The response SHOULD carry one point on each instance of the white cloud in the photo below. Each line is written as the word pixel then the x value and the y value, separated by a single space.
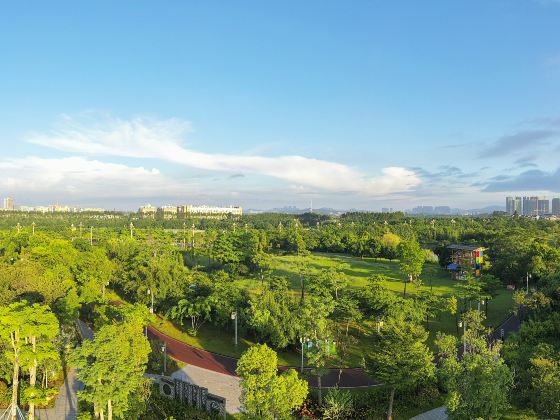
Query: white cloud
pixel 163 139
pixel 78 177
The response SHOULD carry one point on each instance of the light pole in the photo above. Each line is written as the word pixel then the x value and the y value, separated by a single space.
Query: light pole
pixel 302 340
pixel 479 302
pixel 184 236
pixel 152 295
pixel 464 325
pixel 164 350
pixel 234 317
pixel 192 239
pixel 33 227
pixel 131 227
pixel 528 277
pixel 379 323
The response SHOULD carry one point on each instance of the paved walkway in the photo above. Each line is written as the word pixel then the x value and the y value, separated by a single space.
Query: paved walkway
pixel 223 385
pixel 66 404
pixel 435 414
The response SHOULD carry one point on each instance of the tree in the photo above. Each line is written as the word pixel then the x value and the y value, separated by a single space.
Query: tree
pixel 545 374
pixel 399 357
pixel 411 261
pixel 478 384
pixel 29 330
pixel 43 329
pixel 197 308
pixel 112 365
pixel 265 394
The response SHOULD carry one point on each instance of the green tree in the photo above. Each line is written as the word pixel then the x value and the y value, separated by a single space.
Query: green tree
pixel 264 393
pixel 399 357
pixel 545 381
pixel 478 384
pixel 112 366
pixel 411 261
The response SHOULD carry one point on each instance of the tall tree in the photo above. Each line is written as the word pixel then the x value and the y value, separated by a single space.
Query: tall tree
pixel 112 366
pixel 264 393
pixel 411 261
pixel 399 357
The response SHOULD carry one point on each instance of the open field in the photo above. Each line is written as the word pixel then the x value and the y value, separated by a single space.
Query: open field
pixel 220 340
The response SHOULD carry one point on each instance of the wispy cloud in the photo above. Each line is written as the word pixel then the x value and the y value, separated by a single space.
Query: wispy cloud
pixel 163 139
pixel 519 141
pixel 532 180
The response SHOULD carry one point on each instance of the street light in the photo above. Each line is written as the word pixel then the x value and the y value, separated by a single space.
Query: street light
pixel 152 295
pixel 33 227
pixel 164 350
pixel 131 227
pixel 529 276
pixel 379 323
pixel 464 325
pixel 234 317
pixel 303 340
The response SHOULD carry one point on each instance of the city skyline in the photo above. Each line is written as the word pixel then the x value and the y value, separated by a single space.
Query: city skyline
pixel 263 105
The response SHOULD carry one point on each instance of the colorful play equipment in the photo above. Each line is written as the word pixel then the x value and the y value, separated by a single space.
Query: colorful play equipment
pixel 466 259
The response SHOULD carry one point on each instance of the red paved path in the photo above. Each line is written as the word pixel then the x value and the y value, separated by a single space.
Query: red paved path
pixel 349 378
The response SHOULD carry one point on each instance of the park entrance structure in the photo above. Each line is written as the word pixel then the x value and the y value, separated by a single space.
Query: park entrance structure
pixel 465 260
pixel 12 412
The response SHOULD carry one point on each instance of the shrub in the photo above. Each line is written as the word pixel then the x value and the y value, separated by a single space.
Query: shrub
pixel 337 405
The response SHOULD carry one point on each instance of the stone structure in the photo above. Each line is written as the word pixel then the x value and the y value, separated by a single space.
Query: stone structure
pixel 192 395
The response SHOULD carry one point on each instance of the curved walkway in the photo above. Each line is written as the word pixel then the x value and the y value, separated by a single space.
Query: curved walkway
pixel 343 378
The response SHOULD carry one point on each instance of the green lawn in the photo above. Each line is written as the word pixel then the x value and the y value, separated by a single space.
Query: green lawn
pixel 220 340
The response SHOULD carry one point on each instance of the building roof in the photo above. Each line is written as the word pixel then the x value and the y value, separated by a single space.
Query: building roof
pixel 464 247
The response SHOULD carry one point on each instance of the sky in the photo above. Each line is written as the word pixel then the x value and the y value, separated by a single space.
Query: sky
pixel 350 104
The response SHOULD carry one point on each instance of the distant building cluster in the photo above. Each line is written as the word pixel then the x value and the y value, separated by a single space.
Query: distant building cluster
pixel 190 211
pixel 533 206
pixel 431 210
pixel 52 208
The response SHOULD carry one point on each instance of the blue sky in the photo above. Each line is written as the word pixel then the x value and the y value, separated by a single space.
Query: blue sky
pixel 362 104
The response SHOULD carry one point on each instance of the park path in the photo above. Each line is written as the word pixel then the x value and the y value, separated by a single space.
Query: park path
pixel 226 365
pixel 436 414
pixel 66 404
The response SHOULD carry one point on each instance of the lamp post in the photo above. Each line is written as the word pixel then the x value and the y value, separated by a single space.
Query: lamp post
pixel 379 323
pixel 164 350
pixel 131 226
pixel 528 277
pixel 33 227
pixel 184 236
pixel 192 239
pixel 152 295
pixel 303 340
pixel 464 325
pixel 234 317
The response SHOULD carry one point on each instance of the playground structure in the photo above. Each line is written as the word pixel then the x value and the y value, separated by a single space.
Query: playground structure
pixel 465 259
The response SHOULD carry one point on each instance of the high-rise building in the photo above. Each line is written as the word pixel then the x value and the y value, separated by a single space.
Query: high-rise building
pixel 543 206
pixel 509 205
pixel 517 207
pixel 556 206
pixel 530 206
pixel 8 203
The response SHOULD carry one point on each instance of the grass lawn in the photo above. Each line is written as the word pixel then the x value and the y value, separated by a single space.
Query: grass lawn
pixel 220 340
